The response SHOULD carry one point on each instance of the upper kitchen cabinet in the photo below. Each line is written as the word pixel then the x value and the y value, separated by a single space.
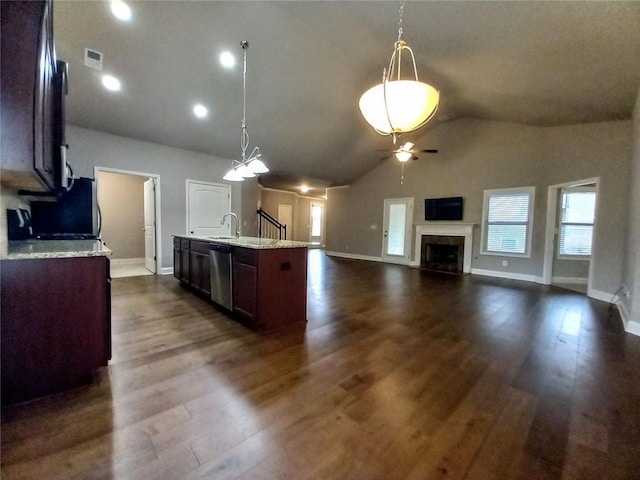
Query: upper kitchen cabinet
pixel 33 86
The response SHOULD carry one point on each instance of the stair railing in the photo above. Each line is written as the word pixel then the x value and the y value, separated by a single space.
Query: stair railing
pixel 269 227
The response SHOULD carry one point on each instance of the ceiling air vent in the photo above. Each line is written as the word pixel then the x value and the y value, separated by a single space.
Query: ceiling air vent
pixel 93 59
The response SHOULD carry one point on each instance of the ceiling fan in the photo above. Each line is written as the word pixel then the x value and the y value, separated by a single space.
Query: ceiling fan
pixel 406 152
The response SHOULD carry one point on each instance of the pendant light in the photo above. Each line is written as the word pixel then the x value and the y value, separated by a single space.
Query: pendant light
pixel 397 105
pixel 250 166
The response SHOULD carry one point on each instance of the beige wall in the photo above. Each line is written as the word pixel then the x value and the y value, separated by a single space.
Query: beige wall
pixel 476 155
pixel 89 148
pixel 631 304
pixel 121 200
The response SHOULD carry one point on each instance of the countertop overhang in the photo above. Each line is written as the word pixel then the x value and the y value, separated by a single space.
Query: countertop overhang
pixel 249 242
pixel 31 249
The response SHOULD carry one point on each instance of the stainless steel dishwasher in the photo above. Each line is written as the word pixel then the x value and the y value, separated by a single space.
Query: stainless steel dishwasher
pixel 221 276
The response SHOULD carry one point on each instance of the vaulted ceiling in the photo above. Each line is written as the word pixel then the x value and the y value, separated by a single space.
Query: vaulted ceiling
pixel 538 63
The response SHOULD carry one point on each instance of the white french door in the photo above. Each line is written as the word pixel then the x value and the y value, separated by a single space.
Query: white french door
pixel 206 204
pixel 396 232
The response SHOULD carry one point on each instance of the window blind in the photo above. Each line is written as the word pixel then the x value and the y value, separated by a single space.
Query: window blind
pixel 507 222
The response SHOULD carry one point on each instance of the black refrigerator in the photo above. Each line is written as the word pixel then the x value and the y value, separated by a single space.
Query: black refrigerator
pixel 75 215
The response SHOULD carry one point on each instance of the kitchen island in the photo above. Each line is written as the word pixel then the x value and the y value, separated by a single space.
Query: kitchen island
pixel 266 279
pixel 55 322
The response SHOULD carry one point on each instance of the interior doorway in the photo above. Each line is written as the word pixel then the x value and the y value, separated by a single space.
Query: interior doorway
pixel 128 202
pixel 397 226
pixel 569 238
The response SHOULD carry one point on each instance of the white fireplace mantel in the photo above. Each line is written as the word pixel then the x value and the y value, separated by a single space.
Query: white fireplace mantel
pixel 446 228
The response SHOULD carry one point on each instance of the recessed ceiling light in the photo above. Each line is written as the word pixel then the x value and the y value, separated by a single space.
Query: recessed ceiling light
pixel 121 10
pixel 200 111
pixel 111 83
pixel 227 60
pixel 304 189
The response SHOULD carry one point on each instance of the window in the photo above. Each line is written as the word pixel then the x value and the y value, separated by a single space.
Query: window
pixel 577 213
pixel 507 221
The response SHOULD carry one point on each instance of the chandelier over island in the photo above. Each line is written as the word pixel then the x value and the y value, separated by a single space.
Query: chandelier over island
pixel 397 105
pixel 247 166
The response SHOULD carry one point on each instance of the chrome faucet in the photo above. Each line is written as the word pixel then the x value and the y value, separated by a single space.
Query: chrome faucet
pixel 237 224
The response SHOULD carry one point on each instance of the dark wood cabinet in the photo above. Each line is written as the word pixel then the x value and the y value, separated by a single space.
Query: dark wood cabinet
pixel 245 285
pixel 55 324
pixel 191 264
pixel 33 85
pixel 270 287
pixel 181 259
pixel 200 266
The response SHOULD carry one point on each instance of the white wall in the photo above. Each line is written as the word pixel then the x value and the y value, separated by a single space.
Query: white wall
pixel 631 304
pixel 475 155
pixel 89 148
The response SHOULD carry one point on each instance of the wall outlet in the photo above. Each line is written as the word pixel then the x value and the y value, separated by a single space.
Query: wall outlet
pixel 505 263
pixel 374 227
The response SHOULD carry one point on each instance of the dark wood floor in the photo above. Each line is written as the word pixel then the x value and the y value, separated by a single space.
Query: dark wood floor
pixel 398 374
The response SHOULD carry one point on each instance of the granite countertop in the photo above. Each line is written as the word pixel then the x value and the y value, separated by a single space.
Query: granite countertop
pixel 28 249
pixel 250 242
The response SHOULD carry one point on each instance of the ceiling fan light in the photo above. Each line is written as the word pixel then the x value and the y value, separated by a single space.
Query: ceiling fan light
pixel 407 146
pixel 257 166
pixel 409 105
pixel 233 176
pixel 404 156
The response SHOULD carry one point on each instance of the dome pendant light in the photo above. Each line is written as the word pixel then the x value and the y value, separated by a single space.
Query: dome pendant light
pixel 251 166
pixel 397 105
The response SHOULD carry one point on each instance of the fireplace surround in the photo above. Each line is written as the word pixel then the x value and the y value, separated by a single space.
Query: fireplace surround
pixel 442 253
pixel 446 229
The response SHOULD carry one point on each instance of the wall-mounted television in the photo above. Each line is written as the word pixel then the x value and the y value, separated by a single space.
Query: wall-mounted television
pixel 449 208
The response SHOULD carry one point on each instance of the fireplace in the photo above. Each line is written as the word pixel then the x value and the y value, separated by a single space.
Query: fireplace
pixel 451 246
pixel 442 253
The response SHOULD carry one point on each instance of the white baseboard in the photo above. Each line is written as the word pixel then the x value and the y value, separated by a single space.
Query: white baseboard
pixel 166 271
pixel 508 275
pixel 354 256
pixel 126 261
pixel 630 326
pixel 600 295
pixel 570 280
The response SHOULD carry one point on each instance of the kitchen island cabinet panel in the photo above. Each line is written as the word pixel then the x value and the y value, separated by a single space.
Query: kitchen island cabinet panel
pixel 272 294
pixel 245 286
pixel 282 289
pixel 55 324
